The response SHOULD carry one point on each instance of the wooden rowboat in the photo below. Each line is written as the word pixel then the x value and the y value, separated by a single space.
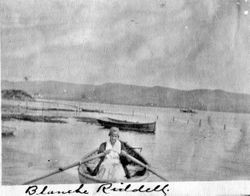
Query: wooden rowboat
pixel 187 110
pixel 147 127
pixel 137 172
pixel 8 131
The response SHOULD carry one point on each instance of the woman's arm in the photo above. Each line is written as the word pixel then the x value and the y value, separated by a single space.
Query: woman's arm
pixel 102 148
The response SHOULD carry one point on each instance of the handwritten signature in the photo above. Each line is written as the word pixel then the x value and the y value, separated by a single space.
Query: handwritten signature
pixel 109 187
pixel 32 190
pixel 106 188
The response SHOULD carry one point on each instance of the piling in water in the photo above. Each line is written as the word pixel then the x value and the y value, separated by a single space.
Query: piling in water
pixel 209 120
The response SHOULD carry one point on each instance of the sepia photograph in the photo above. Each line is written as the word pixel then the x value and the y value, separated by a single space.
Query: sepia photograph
pixel 109 91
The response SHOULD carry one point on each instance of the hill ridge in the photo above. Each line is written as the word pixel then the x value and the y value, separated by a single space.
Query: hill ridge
pixel 127 94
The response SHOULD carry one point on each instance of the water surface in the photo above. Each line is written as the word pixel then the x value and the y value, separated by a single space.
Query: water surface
pixel 185 146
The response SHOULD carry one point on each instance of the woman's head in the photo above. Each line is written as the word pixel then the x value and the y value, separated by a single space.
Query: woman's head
pixel 114 135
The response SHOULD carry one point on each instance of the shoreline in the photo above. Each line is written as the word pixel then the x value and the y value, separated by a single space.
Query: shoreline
pixel 47 100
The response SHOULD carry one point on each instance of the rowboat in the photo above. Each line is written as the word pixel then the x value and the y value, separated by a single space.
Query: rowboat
pixel 146 127
pixel 188 111
pixel 7 131
pixel 137 172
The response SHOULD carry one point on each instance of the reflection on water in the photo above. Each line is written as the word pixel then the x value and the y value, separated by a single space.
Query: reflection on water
pixel 185 146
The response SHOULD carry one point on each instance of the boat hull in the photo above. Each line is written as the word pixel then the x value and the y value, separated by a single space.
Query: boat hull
pixel 188 111
pixel 88 179
pixel 8 131
pixel 128 126
pixel 7 134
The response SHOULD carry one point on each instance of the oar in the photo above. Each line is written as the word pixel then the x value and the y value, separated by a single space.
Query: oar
pixel 91 152
pixel 143 165
pixel 65 168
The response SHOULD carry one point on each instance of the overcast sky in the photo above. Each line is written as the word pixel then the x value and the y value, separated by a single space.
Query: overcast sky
pixel 185 44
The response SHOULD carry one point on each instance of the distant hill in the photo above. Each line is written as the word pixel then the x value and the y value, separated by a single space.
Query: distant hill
pixel 13 94
pixel 113 93
pixel 49 89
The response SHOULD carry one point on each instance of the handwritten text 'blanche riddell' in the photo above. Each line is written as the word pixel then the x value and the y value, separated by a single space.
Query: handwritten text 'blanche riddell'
pixel 106 188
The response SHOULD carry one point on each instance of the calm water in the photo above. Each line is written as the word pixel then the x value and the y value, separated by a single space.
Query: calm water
pixel 185 146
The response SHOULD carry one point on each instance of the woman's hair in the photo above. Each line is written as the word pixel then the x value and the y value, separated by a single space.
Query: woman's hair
pixel 114 131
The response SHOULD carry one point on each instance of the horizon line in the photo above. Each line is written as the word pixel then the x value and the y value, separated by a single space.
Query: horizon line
pixel 16 81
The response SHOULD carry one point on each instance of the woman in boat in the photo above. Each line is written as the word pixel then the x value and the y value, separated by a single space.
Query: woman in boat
pixel 113 165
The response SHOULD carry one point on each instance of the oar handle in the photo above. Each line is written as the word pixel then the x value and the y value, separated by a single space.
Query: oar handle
pixel 65 168
pixel 142 164
pixel 93 157
pixel 88 154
